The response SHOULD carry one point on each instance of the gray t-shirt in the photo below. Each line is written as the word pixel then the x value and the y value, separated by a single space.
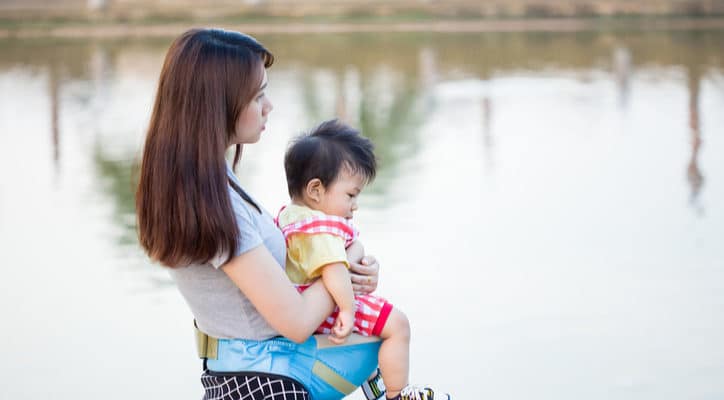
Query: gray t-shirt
pixel 220 308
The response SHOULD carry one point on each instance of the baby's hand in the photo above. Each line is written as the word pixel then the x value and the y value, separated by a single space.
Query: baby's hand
pixel 342 327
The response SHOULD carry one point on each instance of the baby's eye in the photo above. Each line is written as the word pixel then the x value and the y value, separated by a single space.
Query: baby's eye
pixel 260 96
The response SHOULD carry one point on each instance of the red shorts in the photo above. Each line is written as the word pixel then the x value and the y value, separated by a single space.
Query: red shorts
pixel 370 315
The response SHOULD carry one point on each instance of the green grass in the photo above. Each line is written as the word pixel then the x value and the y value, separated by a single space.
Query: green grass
pixel 352 17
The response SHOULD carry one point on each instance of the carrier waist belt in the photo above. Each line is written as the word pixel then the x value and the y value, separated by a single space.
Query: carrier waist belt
pixel 326 370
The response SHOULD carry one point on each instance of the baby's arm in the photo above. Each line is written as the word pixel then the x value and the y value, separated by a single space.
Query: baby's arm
pixel 355 252
pixel 337 281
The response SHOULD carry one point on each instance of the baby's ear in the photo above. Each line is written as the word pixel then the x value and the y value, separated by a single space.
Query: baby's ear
pixel 314 190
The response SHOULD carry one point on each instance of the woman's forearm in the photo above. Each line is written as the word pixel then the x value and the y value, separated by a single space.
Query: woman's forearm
pixel 295 316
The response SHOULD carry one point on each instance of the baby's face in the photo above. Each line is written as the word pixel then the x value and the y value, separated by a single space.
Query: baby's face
pixel 340 197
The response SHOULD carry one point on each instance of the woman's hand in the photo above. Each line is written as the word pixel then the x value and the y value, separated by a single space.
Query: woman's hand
pixel 365 275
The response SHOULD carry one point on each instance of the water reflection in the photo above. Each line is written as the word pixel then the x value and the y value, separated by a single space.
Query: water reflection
pixel 622 72
pixel 376 87
pixel 384 85
pixel 593 136
pixel 693 174
pixel 54 106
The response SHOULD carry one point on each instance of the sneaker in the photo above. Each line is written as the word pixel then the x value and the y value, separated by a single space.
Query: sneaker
pixel 374 389
pixel 417 393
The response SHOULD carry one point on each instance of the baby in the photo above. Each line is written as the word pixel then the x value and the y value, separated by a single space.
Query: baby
pixel 327 170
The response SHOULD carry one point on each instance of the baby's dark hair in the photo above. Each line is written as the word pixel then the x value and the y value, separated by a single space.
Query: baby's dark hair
pixel 323 153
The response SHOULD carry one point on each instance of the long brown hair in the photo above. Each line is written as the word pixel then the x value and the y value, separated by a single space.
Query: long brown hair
pixel 183 207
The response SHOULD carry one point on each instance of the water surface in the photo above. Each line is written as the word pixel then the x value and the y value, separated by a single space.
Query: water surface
pixel 548 211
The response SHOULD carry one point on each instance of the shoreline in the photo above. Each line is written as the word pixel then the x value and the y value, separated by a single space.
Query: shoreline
pixel 129 30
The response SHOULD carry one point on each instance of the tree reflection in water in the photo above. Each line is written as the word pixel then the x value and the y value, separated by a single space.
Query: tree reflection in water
pixel 381 83
pixel 376 89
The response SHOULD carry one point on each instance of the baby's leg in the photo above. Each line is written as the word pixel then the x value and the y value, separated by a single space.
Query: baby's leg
pixel 394 355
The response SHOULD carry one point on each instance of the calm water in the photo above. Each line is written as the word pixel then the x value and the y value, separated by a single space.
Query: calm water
pixel 549 213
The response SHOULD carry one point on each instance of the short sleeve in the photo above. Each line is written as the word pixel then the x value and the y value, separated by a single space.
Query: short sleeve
pixel 249 232
pixel 313 251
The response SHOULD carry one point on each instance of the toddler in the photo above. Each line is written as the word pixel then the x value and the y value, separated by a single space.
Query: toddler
pixel 327 170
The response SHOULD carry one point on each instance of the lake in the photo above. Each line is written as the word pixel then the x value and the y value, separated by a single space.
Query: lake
pixel 546 212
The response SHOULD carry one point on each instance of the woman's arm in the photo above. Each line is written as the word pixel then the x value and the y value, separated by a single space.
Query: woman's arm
pixel 264 282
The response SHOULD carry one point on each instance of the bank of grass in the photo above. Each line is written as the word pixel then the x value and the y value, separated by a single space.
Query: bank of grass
pixel 231 18
pixel 170 23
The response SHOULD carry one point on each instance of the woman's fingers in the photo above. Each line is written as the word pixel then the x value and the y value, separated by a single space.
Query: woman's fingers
pixel 358 289
pixel 365 275
pixel 363 279
pixel 364 288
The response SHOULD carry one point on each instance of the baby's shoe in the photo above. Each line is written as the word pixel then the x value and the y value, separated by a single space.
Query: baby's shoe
pixel 374 389
pixel 421 393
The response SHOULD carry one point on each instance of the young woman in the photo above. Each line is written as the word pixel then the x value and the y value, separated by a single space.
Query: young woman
pixel 223 249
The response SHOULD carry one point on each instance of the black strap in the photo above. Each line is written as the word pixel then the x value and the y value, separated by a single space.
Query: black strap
pixel 243 195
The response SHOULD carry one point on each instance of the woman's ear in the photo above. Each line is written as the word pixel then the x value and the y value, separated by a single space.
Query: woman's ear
pixel 314 190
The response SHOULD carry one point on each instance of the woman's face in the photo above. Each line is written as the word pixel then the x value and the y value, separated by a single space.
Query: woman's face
pixel 252 120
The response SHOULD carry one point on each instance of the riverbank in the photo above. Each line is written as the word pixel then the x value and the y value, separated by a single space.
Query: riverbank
pixel 77 29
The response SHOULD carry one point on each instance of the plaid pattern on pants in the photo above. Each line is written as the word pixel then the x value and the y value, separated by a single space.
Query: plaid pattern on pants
pixel 251 386
pixel 370 315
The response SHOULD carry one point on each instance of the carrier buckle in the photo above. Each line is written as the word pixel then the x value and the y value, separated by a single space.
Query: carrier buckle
pixel 206 346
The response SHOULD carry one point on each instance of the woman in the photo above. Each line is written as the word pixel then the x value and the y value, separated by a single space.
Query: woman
pixel 223 249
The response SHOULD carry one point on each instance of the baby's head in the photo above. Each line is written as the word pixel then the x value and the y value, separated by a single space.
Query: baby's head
pixel 328 168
